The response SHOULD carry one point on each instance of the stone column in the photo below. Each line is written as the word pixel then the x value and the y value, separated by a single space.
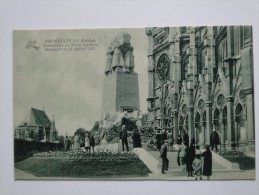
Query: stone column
pixel 175 123
pixel 250 121
pixel 191 126
pixel 221 131
pixel 208 121
pixel 231 134
pixel 248 85
pixel 151 72
pixel 202 141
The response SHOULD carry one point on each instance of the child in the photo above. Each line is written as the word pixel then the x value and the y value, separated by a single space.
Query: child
pixel 197 166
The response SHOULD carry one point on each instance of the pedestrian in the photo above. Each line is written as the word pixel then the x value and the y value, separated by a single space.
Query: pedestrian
pixel 170 140
pixel 67 143
pixel 124 138
pixel 182 155
pixel 197 166
pixel 163 136
pixel 136 139
pixel 207 162
pixel 163 155
pixel 178 142
pixel 71 142
pixel 190 154
pixel 92 142
pixel 76 144
pixel 158 140
pixel 87 142
pixel 214 140
pixel 186 138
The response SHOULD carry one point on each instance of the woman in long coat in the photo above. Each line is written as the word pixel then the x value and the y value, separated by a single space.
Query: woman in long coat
pixel 182 153
pixel 136 139
pixel 207 162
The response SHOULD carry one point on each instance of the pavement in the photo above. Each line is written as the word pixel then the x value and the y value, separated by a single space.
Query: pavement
pixel 218 172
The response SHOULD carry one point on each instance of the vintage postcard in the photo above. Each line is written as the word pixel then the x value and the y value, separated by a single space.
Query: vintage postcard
pixel 155 103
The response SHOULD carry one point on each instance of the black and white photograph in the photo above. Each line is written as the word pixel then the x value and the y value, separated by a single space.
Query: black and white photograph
pixel 129 97
pixel 160 103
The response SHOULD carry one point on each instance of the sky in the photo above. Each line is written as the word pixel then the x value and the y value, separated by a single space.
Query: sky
pixel 68 84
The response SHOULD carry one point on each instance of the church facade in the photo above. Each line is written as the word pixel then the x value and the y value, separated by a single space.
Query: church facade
pixel 36 126
pixel 200 79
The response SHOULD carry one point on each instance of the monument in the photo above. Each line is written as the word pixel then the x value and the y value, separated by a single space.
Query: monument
pixel 120 88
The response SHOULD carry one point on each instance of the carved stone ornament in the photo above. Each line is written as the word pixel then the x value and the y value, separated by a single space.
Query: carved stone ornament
pixel 184 109
pixel 221 100
pixel 242 95
pixel 201 104
pixel 163 67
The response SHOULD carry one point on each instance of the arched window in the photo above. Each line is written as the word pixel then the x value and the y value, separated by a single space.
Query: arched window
pixel 204 119
pixel 222 52
pixel 197 119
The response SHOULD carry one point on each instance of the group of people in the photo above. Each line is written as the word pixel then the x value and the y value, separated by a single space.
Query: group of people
pixel 189 158
pixel 88 144
pixel 161 137
pixel 136 138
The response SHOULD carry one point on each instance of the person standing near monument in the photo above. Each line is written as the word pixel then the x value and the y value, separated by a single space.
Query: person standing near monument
pixel 163 155
pixel 182 152
pixel 92 142
pixel 197 166
pixel 163 136
pixel 158 140
pixel 207 162
pixel 136 139
pixel 179 142
pixel 185 138
pixel 214 140
pixel 170 140
pixel 66 144
pixel 87 142
pixel 124 138
pixel 76 144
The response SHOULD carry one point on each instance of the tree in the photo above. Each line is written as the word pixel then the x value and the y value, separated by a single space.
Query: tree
pixel 61 138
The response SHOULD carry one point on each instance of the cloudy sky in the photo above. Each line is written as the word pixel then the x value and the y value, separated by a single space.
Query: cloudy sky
pixel 68 84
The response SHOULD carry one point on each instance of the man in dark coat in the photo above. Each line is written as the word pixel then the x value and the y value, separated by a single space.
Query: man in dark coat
pixel 207 162
pixel 92 142
pixel 214 140
pixel 136 139
pixel 158 140
pixel 163 136
pixel 124 138
pixel 163 155
pixel 185 138
pixel 190 154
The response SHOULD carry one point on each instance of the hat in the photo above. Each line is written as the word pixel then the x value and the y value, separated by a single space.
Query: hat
pixel 166 141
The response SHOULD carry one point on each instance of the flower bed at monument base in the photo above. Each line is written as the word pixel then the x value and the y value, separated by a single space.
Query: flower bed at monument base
pixel 238 156
pixel 80 164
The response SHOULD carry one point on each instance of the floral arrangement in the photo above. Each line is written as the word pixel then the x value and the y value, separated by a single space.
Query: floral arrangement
pixel 227 153
pixel 101 154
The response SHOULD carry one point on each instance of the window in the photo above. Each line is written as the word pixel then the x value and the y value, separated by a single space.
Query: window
pixel 222 52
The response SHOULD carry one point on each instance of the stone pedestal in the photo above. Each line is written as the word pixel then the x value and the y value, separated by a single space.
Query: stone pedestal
pixel 120 92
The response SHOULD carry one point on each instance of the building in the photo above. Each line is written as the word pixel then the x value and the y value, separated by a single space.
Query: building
pixel 36 126
pixel 201 78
